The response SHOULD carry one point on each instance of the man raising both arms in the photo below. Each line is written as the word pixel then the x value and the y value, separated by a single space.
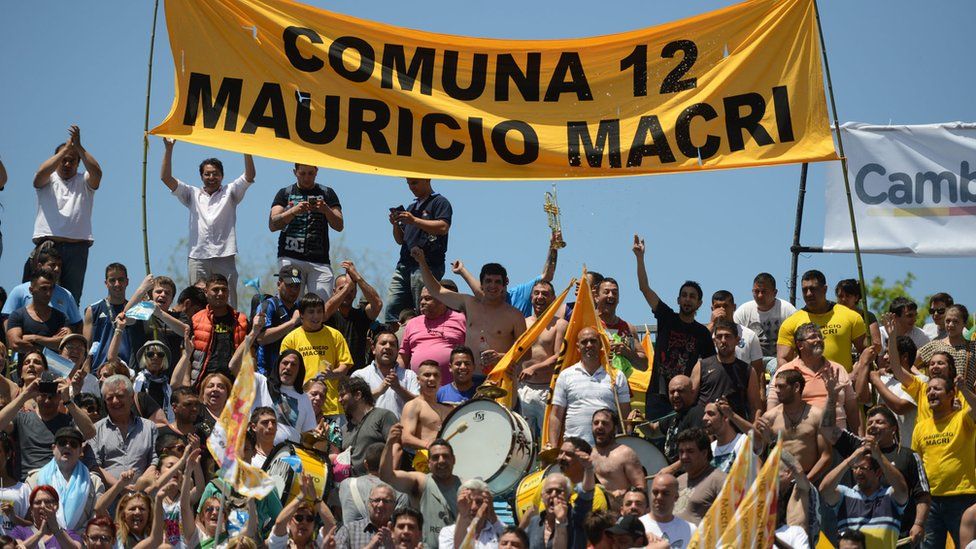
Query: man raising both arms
pixel 492 325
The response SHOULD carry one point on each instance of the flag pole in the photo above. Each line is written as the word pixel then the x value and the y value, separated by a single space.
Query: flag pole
pixel 797 224
pixel 145 141
pixel 843 165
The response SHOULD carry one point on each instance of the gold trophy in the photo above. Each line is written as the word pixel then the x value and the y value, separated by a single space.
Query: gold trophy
pixel 552 211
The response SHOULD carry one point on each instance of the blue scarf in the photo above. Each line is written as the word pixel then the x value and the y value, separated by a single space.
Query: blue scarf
pixel 73 493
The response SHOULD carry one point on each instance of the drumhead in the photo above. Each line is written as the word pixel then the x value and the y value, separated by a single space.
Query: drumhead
pixel 650 457
pixel 288 461
pixel 483 435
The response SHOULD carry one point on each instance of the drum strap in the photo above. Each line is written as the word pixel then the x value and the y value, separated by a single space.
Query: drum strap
pixel 357 498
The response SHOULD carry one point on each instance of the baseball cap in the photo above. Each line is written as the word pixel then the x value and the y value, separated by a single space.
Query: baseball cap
pixel 629 525
pixel 69 432
pixel 290 275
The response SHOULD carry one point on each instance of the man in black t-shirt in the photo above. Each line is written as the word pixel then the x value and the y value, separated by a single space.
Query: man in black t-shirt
pixel 303 212
pixel 681 340
pixel 37 324
pixel 425 223
pixel 353 322
pixel 726 376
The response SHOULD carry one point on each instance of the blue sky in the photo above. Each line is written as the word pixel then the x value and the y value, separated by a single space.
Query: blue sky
pixel 66 62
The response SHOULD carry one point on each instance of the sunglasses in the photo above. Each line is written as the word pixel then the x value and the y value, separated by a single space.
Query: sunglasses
pixel 304 518
pixel 99 539
pixel 154 354
pixel 69 442
pixel 937 311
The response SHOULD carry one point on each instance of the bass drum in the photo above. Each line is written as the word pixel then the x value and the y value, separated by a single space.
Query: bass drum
pixel 650 457
pixel 490 442
pixel 529 493
pixel 286 464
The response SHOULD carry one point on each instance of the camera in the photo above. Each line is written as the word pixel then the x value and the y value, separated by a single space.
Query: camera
pixel 48 387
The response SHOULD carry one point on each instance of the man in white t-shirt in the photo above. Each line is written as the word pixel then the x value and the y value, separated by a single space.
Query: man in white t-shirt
pixel 392 385
pixel 584 388
pixel 726 442
pixel 763 315
pixel 661 524
pixel 64 207
pixel 906 313
pixel 213 217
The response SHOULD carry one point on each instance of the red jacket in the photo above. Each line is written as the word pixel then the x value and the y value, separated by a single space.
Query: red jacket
pixel 203 330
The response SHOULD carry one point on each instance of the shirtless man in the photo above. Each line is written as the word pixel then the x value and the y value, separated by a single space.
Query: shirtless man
pixel 422 416
pixel 492 324
pixel 617 467
pixel 799 424
pixel 606 299
pixel 537 369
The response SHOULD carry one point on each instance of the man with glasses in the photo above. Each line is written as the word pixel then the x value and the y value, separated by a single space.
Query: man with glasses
pixel 813 364
pixel 373 531
pixel 35 430
pixel 841 327
pixel 584 388
pixel 77 487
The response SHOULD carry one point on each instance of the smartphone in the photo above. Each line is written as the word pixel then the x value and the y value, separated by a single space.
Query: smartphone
pixel 399 208
pixel 48 387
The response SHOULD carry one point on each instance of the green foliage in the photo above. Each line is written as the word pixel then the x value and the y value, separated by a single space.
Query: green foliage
pixel 880 295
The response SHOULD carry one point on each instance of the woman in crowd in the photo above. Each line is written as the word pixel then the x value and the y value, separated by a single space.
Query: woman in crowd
pixel 32 364
pixel 14 495
pixel 133 519
pixel 292 406
pixel 153 362
pixel 295 526
pixel 44 530
pixel 213 395
pixel 954 343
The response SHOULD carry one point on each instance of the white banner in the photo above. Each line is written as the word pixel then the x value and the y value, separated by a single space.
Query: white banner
pixel 913 189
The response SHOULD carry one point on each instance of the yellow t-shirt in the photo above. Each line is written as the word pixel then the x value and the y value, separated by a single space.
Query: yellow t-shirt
pixel 948 453
pixel 840 326
pixel 320 350
pixel 916 389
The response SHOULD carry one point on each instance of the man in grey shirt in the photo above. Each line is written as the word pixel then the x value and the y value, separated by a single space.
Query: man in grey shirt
pixel 354 491
pixel 123 440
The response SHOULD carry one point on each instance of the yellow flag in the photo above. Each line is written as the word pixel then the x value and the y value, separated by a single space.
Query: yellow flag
pixel 754 522
pixel 227 439
pixel 584 316
pixel 719 515
pixel 502 374
pixel 736 87
pixel 640 380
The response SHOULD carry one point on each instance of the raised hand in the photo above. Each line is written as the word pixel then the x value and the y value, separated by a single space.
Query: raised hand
pixel 418 254
pixel 457 266
pixel 74 138
pixel 638 247
pixel 396 434
pixel 889 323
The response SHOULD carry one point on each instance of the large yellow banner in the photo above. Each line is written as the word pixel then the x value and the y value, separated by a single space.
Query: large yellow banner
pixel 741 86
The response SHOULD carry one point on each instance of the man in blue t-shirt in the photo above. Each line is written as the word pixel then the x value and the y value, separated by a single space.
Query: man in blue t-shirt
pixel 61 299
pixel 465 384
pixel 425 223
pixel 281 317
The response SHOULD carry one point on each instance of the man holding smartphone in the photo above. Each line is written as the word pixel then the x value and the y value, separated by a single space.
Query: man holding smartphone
pixel 303 212
pixel 424 224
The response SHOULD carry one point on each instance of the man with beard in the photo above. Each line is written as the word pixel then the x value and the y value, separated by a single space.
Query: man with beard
pixel 436 490
pixel 634 502
pixel 392 385
pixel 681 340
pixel 584 388
pixel 726 441
pixel 353 322
pixel 365 423
pixel 687 415
pixel 661 524
pixel 423 416
pixel 623 335
pixel 617 466
pixel 799 424
pixel 813 365
pixel 868 506
pixel 492 324
pixel 433 334
pixel 726 376
pixel 537 369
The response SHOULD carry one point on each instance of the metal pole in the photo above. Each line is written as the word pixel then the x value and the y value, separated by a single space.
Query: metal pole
pixel 795 248
pixel 145 142
pixel 843 165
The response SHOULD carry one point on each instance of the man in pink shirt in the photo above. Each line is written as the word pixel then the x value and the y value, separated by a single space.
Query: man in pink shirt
pixel 811 363
pixel 433 334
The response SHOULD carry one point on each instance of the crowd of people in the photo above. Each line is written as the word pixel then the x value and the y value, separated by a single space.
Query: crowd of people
pixel 105 411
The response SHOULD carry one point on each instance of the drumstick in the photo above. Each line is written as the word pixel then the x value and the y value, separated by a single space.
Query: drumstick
pixel 461 427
